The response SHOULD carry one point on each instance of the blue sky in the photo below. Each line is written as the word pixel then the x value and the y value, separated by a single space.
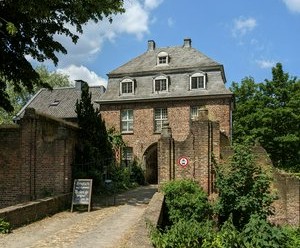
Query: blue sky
pixel 247 36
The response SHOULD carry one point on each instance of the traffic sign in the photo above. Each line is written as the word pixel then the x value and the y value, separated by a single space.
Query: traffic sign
pixel 183 161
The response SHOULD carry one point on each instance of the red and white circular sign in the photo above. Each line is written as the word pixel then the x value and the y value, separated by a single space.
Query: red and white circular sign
pixel 183 161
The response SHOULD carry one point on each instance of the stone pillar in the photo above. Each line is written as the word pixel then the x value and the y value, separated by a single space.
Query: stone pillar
pixel 165 155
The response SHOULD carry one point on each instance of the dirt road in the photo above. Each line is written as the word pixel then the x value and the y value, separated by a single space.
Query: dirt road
pixel 105 226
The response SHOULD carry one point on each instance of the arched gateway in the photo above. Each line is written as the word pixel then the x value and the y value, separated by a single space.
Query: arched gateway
pixel 150 162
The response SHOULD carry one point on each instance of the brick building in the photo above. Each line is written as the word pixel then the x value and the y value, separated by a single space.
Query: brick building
pixel 169 84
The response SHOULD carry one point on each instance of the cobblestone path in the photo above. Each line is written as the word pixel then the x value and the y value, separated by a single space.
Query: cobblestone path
pixel 105 226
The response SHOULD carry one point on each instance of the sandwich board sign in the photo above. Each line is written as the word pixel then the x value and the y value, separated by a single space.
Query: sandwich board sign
pixel 82 193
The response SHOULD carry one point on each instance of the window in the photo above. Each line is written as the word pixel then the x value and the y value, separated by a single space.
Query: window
pixel 127 86
pixel 197 81
pixel 127 155
pixel 194 112
pixel 160 115
pixel 161 83
pixel 162 58
pixel 127 121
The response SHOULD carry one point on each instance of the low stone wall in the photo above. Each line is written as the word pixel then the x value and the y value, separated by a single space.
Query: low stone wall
pixel 153 215
pixel 287 207
pixel 25 213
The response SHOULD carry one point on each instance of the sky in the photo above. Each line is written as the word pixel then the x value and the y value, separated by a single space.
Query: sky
pixel 248 37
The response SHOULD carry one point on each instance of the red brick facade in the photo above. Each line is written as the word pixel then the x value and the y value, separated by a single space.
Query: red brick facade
pixel 143 135
pixel 35 158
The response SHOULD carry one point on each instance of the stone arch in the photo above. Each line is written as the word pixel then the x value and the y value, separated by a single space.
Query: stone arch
pixel 151 164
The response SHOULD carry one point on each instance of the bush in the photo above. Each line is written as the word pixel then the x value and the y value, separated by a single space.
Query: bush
pixel 244 189
pixel 137 174
pixel 186 200
pixel 4 226
pixel 184 233
pixel 260 233
pixel 293 236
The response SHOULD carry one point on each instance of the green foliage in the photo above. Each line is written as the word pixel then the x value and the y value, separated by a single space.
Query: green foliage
pixel 4 226
pixel 94 151
pixel 120 176
pixel 185 200
pixel 260 233
pixel 244 189
pixel 31 28
pixel 227 237
pixel 189 232
pixel 19 98
pixel 184 233
pixel 137 174
pixel 293 236
pixel 270 113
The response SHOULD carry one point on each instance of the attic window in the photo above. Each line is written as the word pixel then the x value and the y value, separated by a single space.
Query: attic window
pixel 127 86
pixel 161 83
pixel 54 103
pixel 198 81
pixel 162 58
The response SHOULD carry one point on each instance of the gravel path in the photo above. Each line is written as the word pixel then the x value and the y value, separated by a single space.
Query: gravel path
pixel 103 227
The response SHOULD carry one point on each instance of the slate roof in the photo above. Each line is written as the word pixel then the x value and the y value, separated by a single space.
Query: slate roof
pixel 183 62
pixel 180 58
pixel 60 102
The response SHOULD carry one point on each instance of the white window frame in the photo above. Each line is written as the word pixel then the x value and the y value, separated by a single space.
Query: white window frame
pixel 127 120
pixel 160 116
pixel 198 75
pixel 194 112
pixel 159 80
pixel 162 58
pixel 127 91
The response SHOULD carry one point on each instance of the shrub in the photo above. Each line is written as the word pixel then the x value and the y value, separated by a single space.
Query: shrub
pixel 4 226
pixel 186 200
pixel 260 233
pixel 137 174
pixel 184 233
pixel 244 189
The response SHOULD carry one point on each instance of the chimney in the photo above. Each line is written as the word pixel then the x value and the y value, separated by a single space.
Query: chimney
pixel 187 42
pixel 151 45
pixel 78 84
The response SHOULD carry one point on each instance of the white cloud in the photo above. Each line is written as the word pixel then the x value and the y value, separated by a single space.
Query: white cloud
pixel 152 4
pixel 243 25
pixel 81 72
pixel 293 5
pixel 135 21
pixel 265 64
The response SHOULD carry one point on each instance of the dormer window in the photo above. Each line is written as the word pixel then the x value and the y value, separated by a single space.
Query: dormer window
pixel 160 83
pixel 162 58
pixel 127 86
pixel 198 81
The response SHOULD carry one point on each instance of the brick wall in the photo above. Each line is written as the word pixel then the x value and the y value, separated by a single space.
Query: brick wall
pixel 36 158
pixel 10 160
pixel 200 146
pixel 287 207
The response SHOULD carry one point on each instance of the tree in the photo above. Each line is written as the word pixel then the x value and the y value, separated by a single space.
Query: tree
pixel 30 28
pixel 244 189
pixel 19 99
pixel 95 150
pixel 270 112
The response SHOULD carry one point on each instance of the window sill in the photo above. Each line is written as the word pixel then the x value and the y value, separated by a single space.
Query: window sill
pixel 127 132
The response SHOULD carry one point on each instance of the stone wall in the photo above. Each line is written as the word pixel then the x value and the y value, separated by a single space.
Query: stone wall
pixel 287 207
pixel 35 158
